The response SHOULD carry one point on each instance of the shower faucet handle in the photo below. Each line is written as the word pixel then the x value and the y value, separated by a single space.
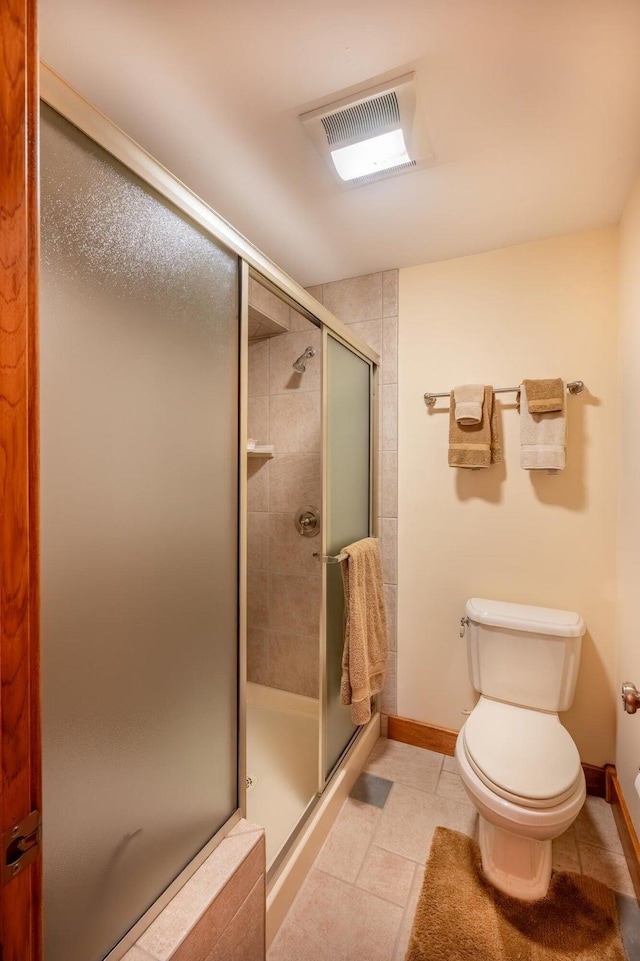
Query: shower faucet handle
pixel 630 697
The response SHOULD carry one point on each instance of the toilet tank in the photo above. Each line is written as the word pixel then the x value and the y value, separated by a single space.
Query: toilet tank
pixel 524 655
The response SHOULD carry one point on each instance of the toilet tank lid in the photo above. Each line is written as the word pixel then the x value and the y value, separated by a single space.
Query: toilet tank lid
pixel 525 617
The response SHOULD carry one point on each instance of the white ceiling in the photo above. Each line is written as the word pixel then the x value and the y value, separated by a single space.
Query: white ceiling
pixel 533 108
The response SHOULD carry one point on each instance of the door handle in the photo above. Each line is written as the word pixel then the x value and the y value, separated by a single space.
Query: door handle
pixel 630 697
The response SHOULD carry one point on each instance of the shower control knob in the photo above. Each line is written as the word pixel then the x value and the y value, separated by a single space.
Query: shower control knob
pixel 630 697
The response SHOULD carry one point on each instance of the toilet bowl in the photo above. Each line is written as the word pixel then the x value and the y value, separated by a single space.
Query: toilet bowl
pixel 527 790
pixel 519 766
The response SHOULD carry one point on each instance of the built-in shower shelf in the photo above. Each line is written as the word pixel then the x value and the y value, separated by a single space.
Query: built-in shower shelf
pixel 260 450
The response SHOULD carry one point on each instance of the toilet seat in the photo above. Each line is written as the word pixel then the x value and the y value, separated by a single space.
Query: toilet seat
pixel 523 755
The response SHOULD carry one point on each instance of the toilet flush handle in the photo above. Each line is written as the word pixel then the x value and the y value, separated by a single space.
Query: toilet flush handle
pixel 463 625
pixel 630 697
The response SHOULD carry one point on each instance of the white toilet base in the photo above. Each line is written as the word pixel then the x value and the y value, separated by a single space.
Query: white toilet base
pixel 518 866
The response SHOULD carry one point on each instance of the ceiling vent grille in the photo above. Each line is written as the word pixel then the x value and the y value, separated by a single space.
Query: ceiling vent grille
pixel 369 178
pixel 362 120
pixel 383 109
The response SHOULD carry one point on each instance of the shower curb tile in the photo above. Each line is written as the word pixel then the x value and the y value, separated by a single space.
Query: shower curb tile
pixel 189 926
pixel 137 954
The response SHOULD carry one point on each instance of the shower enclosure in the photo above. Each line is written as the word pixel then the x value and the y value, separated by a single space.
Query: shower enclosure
pixel 172 569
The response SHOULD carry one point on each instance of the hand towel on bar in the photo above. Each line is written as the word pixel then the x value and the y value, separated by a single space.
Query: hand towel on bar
pixel 544 396
pixel 477 445
pixel 542 437
pixel 364 656
pixel 469 398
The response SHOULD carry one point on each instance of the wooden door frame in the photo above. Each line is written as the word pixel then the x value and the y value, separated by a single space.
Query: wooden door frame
pixel 20 768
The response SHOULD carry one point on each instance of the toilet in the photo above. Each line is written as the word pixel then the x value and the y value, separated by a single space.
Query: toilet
pixel 518 764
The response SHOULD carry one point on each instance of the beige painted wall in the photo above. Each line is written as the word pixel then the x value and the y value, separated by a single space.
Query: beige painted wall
pixel 628 739
pixel 542 309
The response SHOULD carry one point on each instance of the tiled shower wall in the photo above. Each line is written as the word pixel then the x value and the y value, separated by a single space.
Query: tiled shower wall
pixel 369 305
pixel 284 579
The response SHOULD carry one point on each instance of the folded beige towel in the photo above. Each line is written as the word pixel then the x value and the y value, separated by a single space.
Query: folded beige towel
pixel 542 437
pixel 544 396
pixel 469 399
pixel 364 656
pixel 477 445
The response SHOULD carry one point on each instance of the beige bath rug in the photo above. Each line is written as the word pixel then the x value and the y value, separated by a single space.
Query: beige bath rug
pixel 461 917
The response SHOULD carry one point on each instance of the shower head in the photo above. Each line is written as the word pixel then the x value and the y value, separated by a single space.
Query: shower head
pixel 300 364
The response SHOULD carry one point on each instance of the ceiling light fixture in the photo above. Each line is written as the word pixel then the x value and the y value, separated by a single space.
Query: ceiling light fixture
pixel 371 156
pixel 372 134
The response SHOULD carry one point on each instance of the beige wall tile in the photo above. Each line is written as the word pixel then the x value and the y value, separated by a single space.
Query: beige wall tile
pixel 289 551
pixel 390 350
pixel 389 472
pixel 257 484
pixel 244 938
pixel 298 322
pixel 268 303
pixel 389 546
pixel 258 419
pixel 257 540
pixel 344 851
pixel 389 417
pixel 297 482
pixel 294 663
pixel 371 332
pixel 257 654
pixel 387 875
pixel 390 599
pixel 219 922
pixel 283 351
pixel 258 598
pixel 390 293
pixel 384 725
pixel 294 603
pixel 295 423
pixel 388 697
pixel 258 382
pixel 315 292
pixel 355 299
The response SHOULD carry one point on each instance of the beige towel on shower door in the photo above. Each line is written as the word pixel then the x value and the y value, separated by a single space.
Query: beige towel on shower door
pixel 364 655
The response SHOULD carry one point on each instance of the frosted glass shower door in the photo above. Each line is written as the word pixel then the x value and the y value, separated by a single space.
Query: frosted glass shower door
pixel 348 514
pixel 139 494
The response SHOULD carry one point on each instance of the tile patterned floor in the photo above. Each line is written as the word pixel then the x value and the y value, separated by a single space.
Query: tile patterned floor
pixel 359 899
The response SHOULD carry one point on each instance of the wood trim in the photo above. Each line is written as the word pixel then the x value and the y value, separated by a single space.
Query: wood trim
pixel 20 791
pixel 440 739
pixel 443 740
pixel 596 780
pixel 626 830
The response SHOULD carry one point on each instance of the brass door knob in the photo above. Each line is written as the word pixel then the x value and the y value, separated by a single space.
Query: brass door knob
pixel 630 697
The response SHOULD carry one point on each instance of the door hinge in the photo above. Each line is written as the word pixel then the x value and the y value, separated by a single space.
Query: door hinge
pixel 20 846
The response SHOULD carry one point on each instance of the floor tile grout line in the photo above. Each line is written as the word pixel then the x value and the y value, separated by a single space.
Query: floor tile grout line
pixel 405 912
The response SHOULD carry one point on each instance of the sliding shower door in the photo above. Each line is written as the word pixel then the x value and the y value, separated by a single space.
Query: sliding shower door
pixel 139 421
pixel 348 446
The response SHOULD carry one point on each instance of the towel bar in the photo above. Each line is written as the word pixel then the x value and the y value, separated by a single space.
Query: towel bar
pixel 574 387
pixel 331 558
